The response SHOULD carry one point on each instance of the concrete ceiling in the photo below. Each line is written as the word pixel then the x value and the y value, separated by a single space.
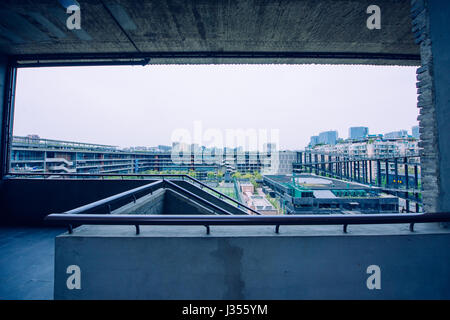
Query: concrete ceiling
pixel 210 31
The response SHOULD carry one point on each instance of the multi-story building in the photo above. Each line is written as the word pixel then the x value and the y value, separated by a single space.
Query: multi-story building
pixel 31 154
pixel 310 194
pixel 415 132
pixel 328 137
pixel 55 156
pixel 314 140
pixel 281 162
pixel 375 148
pixel 270 147
pixel 372 147
pixel 356 133
pixel 396 134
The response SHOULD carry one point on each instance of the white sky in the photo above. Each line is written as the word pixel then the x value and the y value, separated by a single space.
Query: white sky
pixel 142 106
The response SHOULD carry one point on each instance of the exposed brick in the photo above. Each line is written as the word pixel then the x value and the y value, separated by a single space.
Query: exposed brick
pixel 427 117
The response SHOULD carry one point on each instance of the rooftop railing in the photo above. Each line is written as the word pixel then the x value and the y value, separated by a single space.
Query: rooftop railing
pixel 82 216
pixel 247 220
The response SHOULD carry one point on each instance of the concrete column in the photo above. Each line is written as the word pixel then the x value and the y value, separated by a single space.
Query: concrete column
pixel 3 79
pixel 430 27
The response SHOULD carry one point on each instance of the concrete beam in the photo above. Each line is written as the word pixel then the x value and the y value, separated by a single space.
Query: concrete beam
pixel 128 26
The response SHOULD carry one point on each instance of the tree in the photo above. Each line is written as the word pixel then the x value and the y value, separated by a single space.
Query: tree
pixel 192 174
pixel 237 175
pixel 248 176
pixel 211 175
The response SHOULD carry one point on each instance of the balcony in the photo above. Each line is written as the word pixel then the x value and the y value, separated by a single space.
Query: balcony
pixel 229 262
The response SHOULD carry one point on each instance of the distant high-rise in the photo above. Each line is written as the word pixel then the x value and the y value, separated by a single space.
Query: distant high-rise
pixel 314 140
pixel 164 148
pixel 328 137
pixel 269 147
pixel 358 132
pixel 396 134
pixel 415 132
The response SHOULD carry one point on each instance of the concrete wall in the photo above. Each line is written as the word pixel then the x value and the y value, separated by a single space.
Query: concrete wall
pixel 303 262
pixel 439 12
pixel 59 195
pixel 163 201
pixel 28 201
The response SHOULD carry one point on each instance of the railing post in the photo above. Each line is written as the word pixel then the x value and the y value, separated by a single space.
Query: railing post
pixel 407 201
pixel 354 170
pixel 416 177
pixel 387 173
pixel 379 173
pixel 396 173
pixel 417 202
pixel 406 174
pixel 347 169
pixel 316 160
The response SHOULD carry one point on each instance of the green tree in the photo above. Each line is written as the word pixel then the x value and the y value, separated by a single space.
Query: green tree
pixel 248 176
pixel 237 175
pixel 211 175
pixel 192 174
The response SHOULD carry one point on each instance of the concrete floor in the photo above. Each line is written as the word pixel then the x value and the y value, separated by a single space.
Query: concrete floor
pixel 27 262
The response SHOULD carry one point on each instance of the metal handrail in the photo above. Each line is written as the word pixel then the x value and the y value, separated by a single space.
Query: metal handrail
pixel 234 220
pixel 132 195
pixel 115 198
pixel 356 157
pixel 196 197
pixel 224 195
pixel 183 176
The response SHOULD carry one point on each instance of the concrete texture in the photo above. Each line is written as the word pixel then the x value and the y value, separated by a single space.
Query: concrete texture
pixel 127 26
pixel 439 12
pixel 27 263
pixel 163 201
pixel 302 262
pixel 53 195
pixel 59 195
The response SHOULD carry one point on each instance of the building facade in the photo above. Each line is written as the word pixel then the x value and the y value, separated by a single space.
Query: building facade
pixel 328 137
pixel 358 132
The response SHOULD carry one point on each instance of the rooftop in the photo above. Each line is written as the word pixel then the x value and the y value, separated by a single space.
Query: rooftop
pixel 313 182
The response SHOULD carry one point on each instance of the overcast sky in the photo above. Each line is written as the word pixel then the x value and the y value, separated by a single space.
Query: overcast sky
pixel 142 106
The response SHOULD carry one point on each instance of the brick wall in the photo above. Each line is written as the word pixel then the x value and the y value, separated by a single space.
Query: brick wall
pixel 429 151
